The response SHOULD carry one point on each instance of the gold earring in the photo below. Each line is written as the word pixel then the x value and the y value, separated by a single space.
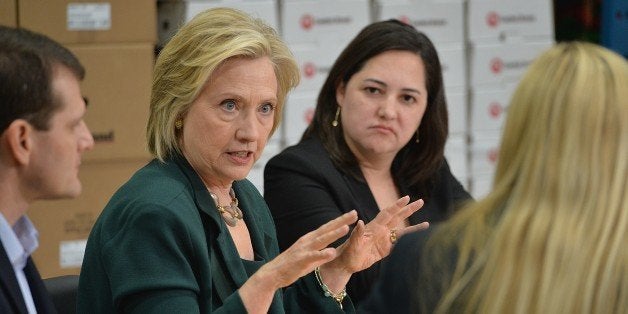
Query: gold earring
pixel 178 124
pixel 335 122
pixel 417 140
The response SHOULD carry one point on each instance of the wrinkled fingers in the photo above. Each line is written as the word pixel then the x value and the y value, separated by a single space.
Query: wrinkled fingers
pixel 418 227
pixel 330 232
pixel 388 213
pixel 410 209
pixel 404 212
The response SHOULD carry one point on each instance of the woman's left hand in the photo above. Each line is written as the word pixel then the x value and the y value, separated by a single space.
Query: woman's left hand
pixel 371 242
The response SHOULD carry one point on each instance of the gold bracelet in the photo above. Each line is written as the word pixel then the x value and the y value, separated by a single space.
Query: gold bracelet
pixel 336 296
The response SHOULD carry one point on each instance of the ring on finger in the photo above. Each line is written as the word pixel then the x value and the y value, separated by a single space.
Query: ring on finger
pixel 393 236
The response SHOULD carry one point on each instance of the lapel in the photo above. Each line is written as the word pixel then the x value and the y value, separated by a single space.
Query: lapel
pixel 364 200
pixel 43 301
pixel 227 270
pixel 349 193
pixel 8 284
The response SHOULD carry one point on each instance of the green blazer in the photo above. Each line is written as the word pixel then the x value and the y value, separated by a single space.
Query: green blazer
pixel 160 246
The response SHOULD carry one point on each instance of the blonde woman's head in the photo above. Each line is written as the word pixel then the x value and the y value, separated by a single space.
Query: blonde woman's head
pixel 566 134
pixel 190 57
pixel 550 236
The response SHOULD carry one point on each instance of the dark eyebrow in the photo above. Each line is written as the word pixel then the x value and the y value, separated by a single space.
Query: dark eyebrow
pixel 375 81
pixel 411 90
pixel 407 90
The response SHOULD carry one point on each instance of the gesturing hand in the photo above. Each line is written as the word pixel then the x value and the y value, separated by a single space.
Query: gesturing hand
pixel 308 252
pixel 371 242
pixel 301 258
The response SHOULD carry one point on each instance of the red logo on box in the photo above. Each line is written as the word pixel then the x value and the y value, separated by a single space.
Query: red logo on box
pixel 308 115
pixel 497 65
pixel 492 155
pixel 307 21
pixel 492 19
pixel 495 109
pixel 404 19
pixel 309 70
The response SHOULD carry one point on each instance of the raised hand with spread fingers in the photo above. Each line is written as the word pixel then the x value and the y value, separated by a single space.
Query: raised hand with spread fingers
pixel 369 243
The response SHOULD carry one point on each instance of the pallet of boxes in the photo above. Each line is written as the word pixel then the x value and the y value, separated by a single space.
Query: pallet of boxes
pixel 115 42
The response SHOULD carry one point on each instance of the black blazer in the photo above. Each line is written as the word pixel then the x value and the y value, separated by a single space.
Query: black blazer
pixel 304 190
pixel 400 289
pixel 11 300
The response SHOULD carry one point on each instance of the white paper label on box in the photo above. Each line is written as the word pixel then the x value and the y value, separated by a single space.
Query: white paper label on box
pixel 71 253
pixel 89 16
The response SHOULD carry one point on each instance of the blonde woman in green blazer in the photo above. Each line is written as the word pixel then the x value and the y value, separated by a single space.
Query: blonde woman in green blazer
pixel 188 233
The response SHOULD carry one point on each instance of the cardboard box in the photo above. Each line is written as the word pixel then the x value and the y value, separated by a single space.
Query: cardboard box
pixel 272 148
pixel 441 21
pixel 315 62
pixel 323 21
pixel 298 114
pixel 8 13
pixel 484 152
pixel 117 86
pixel 481 185
pixel 88 21
pixel 500 20
pixel 502 64
pixel 173 14
pixel 457 109
pixel 456 154
pixel 453 64
pixel 64 225
pixel 489 108
pixel 256 176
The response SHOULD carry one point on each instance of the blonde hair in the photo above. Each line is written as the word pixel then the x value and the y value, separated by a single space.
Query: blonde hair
pixel 551 236
pixel 191 56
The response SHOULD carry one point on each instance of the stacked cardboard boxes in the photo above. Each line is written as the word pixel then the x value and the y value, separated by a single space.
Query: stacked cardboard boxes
pixel 504 37
pixel 174 13
pixel 316 32
pixel 8 13
pixel 114 40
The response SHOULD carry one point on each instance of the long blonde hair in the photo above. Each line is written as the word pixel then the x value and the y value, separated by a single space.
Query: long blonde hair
pixel 552 235
pixel 191 56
